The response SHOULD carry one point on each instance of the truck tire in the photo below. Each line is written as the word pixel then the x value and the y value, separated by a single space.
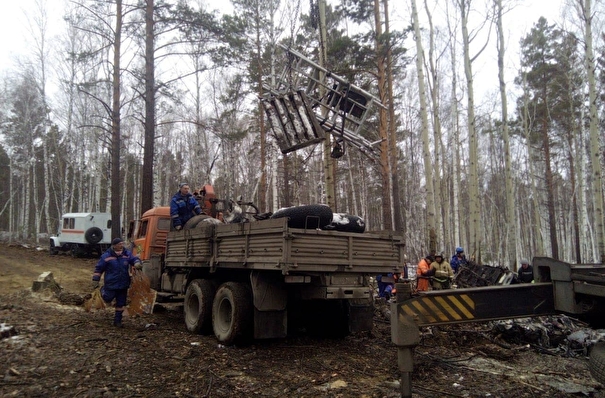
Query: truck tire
pixel 53 249
pixel 194 221
pixel 198 306
pixel 75 250
pixel 93 235
pixel 306 217
pixel 596 363
pixel 232 313
pixel 346 223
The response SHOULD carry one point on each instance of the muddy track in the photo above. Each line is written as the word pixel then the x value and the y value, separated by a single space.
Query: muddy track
pixel 61 350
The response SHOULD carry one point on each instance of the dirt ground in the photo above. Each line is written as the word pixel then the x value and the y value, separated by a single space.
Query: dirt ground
pixel 60 350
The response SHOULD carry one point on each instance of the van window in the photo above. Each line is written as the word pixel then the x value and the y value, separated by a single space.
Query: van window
pixel 69 223
pixel 164 224
pixel 143 229
pixel 108 224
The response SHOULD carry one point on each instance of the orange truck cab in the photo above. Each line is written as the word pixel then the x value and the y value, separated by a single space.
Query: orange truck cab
pixel 148 235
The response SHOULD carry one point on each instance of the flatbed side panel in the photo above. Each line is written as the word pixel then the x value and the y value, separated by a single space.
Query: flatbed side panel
pixel 270 244
pixel 479 304
pixel 377 250
pixel 189 245
pixel 278 225
pixel 349 249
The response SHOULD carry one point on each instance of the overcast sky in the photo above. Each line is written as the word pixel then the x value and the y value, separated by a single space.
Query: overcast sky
pixel 14 25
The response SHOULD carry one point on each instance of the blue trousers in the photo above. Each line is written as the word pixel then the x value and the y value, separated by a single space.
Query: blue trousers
pixel 120 295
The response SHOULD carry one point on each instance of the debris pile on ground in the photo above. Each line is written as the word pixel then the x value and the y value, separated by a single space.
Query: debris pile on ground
pixel 7 331
pixel 554 335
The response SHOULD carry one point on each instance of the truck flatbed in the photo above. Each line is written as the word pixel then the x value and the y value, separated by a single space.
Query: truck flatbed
pixel 272 245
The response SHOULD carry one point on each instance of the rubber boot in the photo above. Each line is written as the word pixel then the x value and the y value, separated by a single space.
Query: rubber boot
pixel 117 319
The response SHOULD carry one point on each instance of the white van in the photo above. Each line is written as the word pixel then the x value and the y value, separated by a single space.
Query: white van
pixel 82 234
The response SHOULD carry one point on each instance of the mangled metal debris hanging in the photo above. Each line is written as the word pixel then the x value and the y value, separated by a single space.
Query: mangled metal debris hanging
pixel 307 101
pixel 476 275
pixel 292 122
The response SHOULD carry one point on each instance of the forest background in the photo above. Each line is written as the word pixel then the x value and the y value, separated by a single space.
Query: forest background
pixel 110 107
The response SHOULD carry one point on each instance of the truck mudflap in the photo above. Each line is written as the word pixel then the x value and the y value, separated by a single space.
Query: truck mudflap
pixel 440 307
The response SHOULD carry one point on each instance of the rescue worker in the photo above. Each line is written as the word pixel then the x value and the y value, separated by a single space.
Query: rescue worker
pixel 443 273
pixel 424 273
pixel 386 289
pixel 526 272
pixel 183 206
pixel 116 265
pixel 458 259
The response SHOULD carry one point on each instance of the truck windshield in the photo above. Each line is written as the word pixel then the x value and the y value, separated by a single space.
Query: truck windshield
pixel 143 229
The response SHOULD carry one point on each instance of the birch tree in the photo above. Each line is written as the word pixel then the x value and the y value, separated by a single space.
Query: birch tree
pixel 468 37
pixel 458 227
pixel 586 14
pixel 438 155
pixel 428 168
pixel 511 230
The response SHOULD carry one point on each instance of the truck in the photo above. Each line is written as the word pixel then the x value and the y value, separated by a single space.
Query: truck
pixel 559 287
pixel 87 233
pixel 262 278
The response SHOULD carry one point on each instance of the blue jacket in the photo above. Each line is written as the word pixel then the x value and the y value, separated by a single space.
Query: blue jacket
pixel 182 208
pixel 116 269
pixel 457 262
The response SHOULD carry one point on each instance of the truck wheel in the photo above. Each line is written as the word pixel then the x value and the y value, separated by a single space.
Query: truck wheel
pixel 75 251
pixel 194 221
pixel 306 217
pixel 597 363
pixel 93 235
pixel 232 313
pixel 198 306
pixel 53 249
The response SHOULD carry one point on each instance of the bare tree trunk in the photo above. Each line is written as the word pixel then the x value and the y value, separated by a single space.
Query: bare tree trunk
pixel 11 209
pixel 385 169
pixel 27 191
pixel 274 183
pixel 262 194
pixel 595 151
pixel 354 208
pixel 35 198
pixel 328 162
pixel 428 168
pixel 149 145
pixel 474 200
pixel 581 173
pixel 458 228
pixel 287 184
pixel 115 127
pixel 46 194
pixel 393 149
pixel 574 207
pixel 537 224
pixel 510 250
pixel 549 181
pixel 437 153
